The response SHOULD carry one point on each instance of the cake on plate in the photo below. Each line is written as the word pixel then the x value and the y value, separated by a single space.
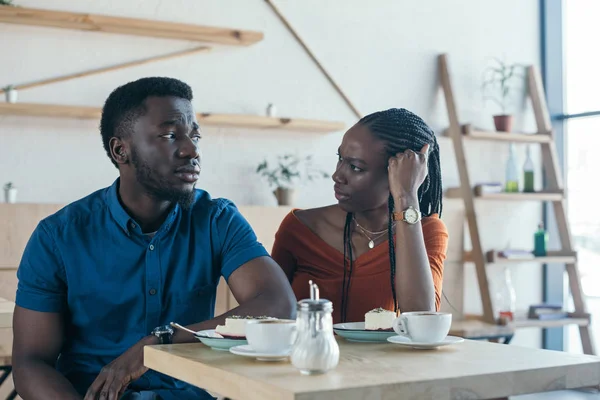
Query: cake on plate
pixel 379 319
pixel 235 326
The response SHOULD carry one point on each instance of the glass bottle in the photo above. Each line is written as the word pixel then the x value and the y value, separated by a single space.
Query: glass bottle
pixel 528 174
pixel 315 350
pixel 512 177
pixel 540 241
pixel 504 297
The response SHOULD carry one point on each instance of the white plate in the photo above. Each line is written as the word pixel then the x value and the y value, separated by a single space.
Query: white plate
pixel 247 351
pixel 404 341
pixel 356 332
pixel 217 342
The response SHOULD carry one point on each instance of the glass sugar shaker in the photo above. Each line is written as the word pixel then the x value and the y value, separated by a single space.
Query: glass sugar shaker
pixel 315 350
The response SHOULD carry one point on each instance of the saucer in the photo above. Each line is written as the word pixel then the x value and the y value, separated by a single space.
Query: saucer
pixel 404 341
pixel 356 332
pixel 247 351
pixel 217 342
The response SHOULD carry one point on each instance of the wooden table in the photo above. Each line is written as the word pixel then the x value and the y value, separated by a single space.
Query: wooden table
pixel 470 370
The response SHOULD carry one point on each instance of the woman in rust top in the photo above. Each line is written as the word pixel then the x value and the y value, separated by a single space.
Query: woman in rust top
pixel 383 244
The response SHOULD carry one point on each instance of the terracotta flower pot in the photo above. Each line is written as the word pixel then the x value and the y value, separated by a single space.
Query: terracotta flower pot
pixel 503 123
pixel 285 196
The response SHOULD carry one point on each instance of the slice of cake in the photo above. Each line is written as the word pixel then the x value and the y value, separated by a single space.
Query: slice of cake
pixel 379 319
pixel 235 326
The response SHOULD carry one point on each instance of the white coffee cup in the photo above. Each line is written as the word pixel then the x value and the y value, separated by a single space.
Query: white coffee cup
pixel 271 336
pixel 423 326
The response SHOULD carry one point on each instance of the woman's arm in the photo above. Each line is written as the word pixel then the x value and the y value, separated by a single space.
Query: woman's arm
pixel 415 290
pixel 414 281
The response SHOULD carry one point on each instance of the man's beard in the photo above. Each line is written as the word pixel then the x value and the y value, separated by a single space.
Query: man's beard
pixel 159 188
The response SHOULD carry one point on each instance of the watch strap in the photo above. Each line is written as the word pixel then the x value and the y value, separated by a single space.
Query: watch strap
pixel 398 215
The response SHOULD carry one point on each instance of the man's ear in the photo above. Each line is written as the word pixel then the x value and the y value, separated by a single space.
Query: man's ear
pixel 119 150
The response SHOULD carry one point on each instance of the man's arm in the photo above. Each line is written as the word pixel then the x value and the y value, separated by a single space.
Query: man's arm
pixel 261 288
pixel 38 338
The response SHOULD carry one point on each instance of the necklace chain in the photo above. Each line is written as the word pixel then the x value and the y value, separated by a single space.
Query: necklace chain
pixel 368 231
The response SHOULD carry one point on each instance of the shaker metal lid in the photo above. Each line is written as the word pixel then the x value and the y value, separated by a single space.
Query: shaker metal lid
pixel 315 305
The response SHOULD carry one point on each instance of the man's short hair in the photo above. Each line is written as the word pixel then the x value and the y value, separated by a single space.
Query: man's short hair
pixel 126 103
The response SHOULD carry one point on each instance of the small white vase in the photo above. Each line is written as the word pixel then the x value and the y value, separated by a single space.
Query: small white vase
pixel 10 195
pixel 11 95
pixel 271 110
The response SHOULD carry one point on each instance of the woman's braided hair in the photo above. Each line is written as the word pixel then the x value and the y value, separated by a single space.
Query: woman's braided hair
pixel 400 130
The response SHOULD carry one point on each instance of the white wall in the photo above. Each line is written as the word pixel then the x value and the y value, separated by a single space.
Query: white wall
pixel 383 56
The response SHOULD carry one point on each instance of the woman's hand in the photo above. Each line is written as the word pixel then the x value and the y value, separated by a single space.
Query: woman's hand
pixel 407 172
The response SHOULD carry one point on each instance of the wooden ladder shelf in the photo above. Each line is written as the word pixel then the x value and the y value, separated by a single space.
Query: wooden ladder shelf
pixel 553 193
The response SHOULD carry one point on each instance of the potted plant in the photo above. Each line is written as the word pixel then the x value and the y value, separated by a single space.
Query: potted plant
pixel 288 169
pixel 11 94
pixel 10 193
pixel 497 80
pixel 7 3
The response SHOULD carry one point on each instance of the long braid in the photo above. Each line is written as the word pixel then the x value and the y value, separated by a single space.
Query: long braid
pixel 401 130
pixel 392 247
pixel 348 247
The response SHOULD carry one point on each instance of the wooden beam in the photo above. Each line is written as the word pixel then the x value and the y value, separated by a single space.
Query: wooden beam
pixel 205 119
pixel 108 69
pixel 314 59
pixel 465 189
pixel 554 182
pixel 127 26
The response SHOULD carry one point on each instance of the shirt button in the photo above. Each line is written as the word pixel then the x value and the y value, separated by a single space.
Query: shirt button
pixel 132 225
pixel 151 247
pixel 152 292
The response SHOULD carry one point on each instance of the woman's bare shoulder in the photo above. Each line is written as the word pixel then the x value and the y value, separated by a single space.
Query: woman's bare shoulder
pixel 321 217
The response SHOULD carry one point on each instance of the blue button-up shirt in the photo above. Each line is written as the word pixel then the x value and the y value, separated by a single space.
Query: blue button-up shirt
pixel 115 284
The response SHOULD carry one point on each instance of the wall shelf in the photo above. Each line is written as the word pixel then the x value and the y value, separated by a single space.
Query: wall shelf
pixel 205 119
pixel 493 257
pixel 476 134
pixel 127 26
pixel 476 328
pixel 550 323
pixel 455 193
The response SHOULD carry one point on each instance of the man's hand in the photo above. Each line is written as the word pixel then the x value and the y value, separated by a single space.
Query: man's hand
pixel 114 378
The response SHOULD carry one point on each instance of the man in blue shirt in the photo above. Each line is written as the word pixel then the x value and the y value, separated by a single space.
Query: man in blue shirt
pixel 103 277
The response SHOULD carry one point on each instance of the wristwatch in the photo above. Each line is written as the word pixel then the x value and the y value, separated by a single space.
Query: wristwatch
pixel 164 333
pixel 411 215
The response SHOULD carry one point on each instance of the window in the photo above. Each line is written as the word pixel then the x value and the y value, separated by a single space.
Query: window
pixel 582 62
pixel 580 119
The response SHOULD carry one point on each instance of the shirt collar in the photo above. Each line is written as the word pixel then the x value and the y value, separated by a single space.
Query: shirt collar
pixel 123 219
pixel 116 209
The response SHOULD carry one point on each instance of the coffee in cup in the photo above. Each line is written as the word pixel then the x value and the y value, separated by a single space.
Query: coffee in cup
pixel 423 326
pixel 271 336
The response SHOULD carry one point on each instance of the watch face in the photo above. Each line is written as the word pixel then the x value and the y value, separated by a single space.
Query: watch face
pixel 411 216
pixel 161 330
